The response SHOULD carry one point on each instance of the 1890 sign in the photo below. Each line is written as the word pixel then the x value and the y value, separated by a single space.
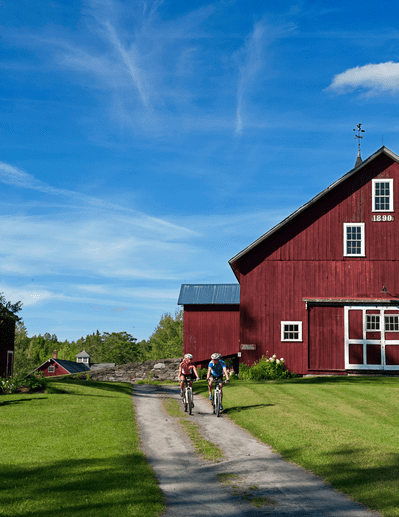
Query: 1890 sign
pixel 382 218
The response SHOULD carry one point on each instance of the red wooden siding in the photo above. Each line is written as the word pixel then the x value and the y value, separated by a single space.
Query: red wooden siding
pixel 59 370
pixel 305 259
pixel 210 328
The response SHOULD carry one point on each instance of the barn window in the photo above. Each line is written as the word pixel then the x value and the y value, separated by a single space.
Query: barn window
pixel 383 195
pixel 51 369
pixel 372 322
pixel 354 240
pixel 391 323
pixel 291 331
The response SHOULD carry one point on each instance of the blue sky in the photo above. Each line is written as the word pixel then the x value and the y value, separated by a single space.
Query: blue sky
pixel 144 144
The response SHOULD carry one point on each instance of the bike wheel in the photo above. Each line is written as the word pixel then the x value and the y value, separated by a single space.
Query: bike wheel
pixel 213 402
pixel 217 404
pixel 185 401
pixel 190 402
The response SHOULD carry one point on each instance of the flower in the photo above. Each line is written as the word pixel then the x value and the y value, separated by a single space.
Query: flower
pixel 277 361
pixel 274 356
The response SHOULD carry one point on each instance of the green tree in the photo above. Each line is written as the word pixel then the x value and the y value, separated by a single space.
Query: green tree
pixel 7 307
pixel 167 339
pixel 22 363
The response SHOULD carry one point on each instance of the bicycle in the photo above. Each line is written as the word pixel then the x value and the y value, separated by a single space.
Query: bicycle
pixel 188 399
pixel 217 395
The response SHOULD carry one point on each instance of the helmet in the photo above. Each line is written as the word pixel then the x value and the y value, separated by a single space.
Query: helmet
pixel 188 356
pixel 216 356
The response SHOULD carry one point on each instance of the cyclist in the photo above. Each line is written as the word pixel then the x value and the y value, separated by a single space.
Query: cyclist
pixel 187 369
pixel 216 369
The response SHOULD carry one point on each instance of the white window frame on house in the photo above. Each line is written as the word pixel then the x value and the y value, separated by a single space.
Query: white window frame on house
pixel 362 240
pixel 52 370
pixel 391 323
pixel 10 361
pixel 285 330
pixel 390 195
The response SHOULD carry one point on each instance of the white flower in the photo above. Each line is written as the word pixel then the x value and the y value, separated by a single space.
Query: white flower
pixel 274 356
pixel 282 360
pixel 277 361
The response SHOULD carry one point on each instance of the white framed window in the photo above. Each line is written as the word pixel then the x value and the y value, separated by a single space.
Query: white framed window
pixel 382 195
pixel 354 240
pixel 372 322
pixel 291 331
pixel 391 323
pixel 51 369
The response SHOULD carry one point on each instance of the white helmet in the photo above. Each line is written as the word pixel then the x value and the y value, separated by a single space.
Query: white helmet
pixel 216 356
pixel 188 356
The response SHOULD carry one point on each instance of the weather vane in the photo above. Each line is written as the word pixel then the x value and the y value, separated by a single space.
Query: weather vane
pixel 358 136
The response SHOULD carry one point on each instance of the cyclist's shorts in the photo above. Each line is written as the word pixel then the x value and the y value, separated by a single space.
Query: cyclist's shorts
pixel 215 379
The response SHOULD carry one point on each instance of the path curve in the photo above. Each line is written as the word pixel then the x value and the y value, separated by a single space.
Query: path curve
pixel 190 484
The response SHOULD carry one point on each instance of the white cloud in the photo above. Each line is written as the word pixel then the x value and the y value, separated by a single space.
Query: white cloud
pixel 376 78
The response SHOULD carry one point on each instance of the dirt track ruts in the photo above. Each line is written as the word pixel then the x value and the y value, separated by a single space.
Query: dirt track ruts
pixel 190 484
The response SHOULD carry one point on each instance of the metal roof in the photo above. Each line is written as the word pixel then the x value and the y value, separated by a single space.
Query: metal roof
pixel 83 354
pixel 71 366
pixel 382 150
pixel 209 294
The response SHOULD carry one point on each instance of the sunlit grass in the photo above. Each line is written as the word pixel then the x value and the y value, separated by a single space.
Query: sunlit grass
pixel 74 451
pixel 343 429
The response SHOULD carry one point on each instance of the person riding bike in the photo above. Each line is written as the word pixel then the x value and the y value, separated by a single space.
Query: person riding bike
pixel 187 370
pixel 216 368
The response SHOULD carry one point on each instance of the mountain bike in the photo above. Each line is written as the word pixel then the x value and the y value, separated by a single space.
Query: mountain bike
pixel 188 400
pixel 217 395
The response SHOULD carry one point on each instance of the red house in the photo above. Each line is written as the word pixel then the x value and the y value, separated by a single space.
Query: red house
pixel 321 289
pixel 211 320
pixel 55 366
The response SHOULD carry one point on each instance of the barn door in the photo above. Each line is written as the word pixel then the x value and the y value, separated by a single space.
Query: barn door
pixel 372 338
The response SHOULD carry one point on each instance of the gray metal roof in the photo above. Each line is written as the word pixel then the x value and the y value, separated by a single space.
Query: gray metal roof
pixel 71 366
pixel 83 354
pixel 382 150
pixel 209 294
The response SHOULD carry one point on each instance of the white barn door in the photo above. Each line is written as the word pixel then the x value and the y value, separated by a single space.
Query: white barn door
pixel 372 338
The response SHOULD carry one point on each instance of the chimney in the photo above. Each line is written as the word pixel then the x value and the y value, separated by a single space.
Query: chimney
pixel 54 354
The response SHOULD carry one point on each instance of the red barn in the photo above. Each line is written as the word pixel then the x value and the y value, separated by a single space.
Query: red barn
pixel 211 320
pixel 321 289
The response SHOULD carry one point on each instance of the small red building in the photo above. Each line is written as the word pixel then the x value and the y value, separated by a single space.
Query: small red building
pixel 211 320
pixel 54 366
pixel 321 289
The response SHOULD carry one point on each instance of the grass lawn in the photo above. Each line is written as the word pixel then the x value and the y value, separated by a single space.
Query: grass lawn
pixel 345 429
pixel 74 451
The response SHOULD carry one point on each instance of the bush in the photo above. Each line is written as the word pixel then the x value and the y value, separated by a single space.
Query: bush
pixel 265 369
pixel 19 383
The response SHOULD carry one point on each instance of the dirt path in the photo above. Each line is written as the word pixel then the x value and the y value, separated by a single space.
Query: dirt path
pixel 190 483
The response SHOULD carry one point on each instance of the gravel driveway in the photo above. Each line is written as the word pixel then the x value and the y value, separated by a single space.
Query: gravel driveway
pixel 191 485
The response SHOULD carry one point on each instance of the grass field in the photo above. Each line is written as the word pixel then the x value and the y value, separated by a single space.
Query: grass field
pixel 343 429
pixel 73 451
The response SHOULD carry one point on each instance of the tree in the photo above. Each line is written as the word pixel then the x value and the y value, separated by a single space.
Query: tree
pixel 167 339
pixel 7 307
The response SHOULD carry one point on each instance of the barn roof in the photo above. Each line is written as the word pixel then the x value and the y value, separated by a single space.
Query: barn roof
pixel 83 354
pixel 209 294
pixel 383 150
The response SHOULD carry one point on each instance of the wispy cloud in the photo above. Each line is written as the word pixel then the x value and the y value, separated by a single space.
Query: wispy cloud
pixel 375 79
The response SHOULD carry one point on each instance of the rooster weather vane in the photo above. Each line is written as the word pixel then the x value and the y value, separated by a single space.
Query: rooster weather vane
pixel 359 137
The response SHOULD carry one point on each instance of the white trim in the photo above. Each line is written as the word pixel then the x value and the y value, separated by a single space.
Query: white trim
pixel 299 323
pixel 364 341
pixel 383 180
pixel 10 353
pixel 362 242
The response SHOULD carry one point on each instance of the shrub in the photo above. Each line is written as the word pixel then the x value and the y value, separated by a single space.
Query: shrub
pixel 266 368
pixel 20 383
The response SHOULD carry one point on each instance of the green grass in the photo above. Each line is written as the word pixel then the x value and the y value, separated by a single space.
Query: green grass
pixel 345 429
pixel 205 448
pixel 74 451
